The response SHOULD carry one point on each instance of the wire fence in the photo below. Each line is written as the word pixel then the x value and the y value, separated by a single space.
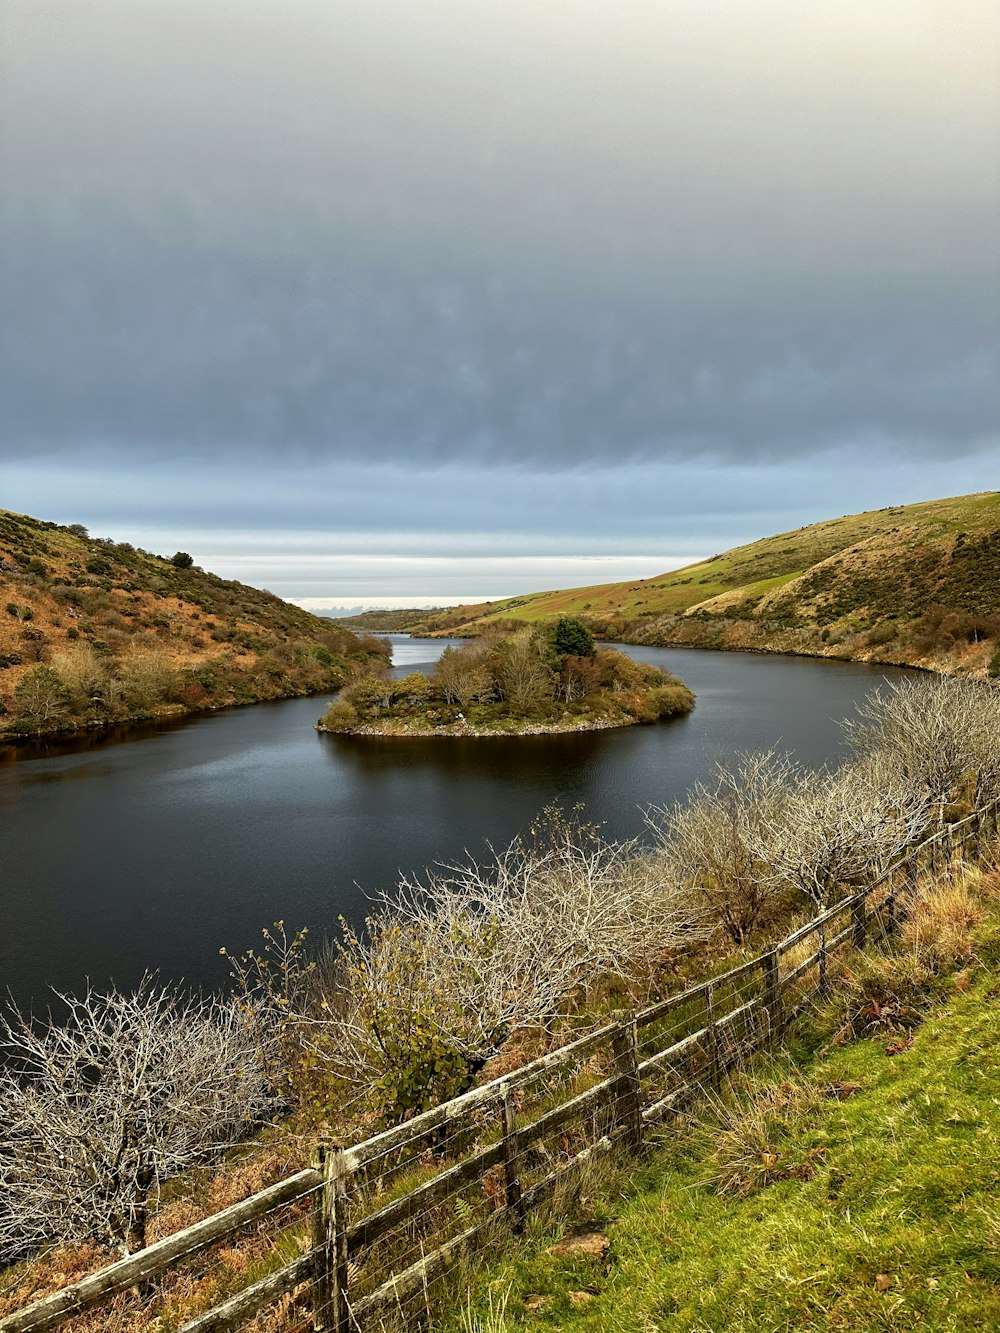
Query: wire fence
pixel 355 1242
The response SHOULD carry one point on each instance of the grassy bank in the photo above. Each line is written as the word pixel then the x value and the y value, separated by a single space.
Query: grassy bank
pixel 845 1184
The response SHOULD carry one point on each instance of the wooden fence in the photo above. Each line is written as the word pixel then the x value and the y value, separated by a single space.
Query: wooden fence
pixel 354 1242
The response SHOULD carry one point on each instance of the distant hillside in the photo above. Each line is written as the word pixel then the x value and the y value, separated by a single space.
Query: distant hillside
pixel 917 584
pixel 391 622
pixel 94 631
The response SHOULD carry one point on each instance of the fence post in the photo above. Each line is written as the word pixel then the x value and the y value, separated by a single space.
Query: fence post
pixel 973 836
pixel 859 920
pixel 625 1053
pixel 890 912
pixel 823 983
pixel 322 1312
pixel 337 1316
pixel 715 1064
pixel 912 878
pixel 772 993
pixel 511 1179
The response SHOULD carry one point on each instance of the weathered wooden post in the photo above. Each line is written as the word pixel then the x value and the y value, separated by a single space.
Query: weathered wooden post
pixel 973 836
pixel 322 1313
pixel 890 912
pixel 912 877
pixel 823 982
pixel 714 1059
pixel 625 1053
pixel 859 920
pixel 771 996
pixel 513 1200
pixel 334 1315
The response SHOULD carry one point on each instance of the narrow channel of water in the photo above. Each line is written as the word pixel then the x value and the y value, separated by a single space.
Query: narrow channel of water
pixel 152 852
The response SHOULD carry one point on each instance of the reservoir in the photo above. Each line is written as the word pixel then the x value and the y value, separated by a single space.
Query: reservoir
pixel 152 851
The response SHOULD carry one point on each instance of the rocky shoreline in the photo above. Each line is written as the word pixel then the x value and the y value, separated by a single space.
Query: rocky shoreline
pixel 406 731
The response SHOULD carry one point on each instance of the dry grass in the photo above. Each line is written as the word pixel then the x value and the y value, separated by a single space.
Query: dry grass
pixel 940 929
pixel 752 1148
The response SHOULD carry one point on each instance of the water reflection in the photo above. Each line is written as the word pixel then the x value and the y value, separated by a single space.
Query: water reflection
pixel 117 857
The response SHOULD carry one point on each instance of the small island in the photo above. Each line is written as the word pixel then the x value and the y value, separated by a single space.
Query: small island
pixel 531 681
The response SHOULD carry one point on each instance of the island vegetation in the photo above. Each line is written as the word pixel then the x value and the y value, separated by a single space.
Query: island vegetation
pixel 95 632
pixel 521 682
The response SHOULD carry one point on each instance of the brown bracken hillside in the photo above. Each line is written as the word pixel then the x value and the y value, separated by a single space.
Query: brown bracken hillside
pixel 94 632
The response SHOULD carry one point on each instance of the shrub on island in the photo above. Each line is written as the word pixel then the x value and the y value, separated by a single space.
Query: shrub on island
pixel 529 680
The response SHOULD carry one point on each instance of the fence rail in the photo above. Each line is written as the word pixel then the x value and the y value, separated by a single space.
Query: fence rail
pixel 409 1201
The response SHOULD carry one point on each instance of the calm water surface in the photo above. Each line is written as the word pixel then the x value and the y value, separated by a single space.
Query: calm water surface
pixel 152 851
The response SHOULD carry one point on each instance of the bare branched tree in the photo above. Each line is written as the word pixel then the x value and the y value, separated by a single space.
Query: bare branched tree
pixel 568 906
pixel 938 732
pixel 715 842
pixel 833 830
pixel 100 1107
pixel 452 964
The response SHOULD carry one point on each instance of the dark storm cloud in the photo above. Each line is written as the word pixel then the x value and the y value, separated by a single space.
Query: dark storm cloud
pixel 553 233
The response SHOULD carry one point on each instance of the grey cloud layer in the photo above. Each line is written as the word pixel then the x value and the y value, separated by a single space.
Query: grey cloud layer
pixel 552 233
pixel 378 533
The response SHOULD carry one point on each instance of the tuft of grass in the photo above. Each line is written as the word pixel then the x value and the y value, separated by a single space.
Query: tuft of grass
pixel 760 1139
pixel 492 1318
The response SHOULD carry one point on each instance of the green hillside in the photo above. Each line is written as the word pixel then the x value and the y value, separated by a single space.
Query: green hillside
pixel 916 584
pixel 94 632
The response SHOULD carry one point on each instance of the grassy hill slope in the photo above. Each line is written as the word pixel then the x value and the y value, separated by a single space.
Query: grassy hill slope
pixel 917 584
pixel 93 632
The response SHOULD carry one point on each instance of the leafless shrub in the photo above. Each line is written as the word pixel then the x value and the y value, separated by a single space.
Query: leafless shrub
pixel 835 829
pixel 452 964
pixel 98 1108
pixel 717 844
pixel 934 731
pixel 555 909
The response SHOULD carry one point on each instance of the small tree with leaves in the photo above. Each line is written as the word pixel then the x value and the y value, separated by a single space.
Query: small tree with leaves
pixel 572 638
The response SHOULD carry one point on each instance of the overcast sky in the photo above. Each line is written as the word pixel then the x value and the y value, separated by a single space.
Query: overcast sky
pixel 375 301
